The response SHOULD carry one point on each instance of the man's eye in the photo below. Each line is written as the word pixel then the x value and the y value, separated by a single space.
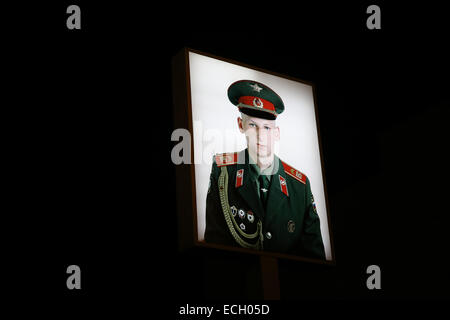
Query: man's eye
pixel 252 125
pixel 267 128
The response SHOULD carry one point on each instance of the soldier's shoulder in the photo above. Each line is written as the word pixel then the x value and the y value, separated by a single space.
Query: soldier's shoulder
pixel 294 173
pixel 226 159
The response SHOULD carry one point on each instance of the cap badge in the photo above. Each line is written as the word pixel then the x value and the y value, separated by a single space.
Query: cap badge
pixel 255 87
pixel 258 103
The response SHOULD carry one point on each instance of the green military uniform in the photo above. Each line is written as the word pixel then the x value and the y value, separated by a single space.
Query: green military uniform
pixel 272 210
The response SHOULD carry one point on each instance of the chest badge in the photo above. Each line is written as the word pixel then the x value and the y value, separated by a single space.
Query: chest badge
pixel 250 216
pixel 233 211
pixel 291 226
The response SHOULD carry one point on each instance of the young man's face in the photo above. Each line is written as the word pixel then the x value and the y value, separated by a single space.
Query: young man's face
pixel 261 136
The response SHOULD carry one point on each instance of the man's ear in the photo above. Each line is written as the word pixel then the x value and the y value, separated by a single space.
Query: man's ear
pixel 277 133
pixel 240 124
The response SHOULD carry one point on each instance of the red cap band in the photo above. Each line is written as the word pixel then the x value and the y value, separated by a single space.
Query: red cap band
pixel 257 102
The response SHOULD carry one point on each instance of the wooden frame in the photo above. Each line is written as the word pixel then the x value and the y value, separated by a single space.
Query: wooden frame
pixel 185 174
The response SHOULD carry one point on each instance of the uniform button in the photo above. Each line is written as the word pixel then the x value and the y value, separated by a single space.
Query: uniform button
pixel 268 235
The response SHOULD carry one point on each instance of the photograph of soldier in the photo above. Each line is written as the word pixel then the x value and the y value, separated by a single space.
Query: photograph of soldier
pixel 254 199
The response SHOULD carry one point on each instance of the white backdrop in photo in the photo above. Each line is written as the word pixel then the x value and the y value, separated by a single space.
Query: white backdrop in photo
pixel 216 130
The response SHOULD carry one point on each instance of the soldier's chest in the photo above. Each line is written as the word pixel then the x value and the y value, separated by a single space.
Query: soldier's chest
pixel 281 218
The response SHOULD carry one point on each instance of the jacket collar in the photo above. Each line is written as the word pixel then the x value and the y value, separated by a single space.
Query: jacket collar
pixel 247 188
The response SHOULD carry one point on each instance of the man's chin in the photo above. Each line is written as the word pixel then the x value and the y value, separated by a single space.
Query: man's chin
pixel 263 153
pixel 262 156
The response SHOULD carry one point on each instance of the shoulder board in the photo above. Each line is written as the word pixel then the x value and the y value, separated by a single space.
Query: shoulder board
pixel 226 159
pixel 294 173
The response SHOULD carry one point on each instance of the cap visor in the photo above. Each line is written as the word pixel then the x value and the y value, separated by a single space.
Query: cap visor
pixel 258 114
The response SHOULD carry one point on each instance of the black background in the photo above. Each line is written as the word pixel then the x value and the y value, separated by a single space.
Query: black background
pixel 87 125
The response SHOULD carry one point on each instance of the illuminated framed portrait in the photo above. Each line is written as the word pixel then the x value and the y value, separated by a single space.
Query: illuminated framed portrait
pixel 250 174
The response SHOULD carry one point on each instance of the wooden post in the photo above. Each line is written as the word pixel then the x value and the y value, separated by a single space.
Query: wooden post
pixel 269 277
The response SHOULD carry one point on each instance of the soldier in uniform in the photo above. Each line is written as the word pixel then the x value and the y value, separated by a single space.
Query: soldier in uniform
pixel 255 200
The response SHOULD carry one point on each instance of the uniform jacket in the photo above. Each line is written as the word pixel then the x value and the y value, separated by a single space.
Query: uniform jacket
pixel 235 215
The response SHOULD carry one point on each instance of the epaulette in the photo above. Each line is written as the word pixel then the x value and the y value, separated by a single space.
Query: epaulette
pixel 294 173
pixel 226 159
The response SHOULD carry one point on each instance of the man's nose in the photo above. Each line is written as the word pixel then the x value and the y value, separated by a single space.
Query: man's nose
pixel 259 134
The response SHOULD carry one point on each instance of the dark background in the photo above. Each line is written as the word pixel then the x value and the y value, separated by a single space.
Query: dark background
pixel 88 119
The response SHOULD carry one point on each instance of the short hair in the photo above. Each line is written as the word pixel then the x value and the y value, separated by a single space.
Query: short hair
pixel 244 117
